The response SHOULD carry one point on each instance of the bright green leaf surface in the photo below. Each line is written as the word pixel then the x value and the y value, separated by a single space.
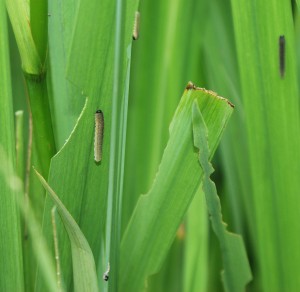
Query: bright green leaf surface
pixel 10 235
pixel 159 213
pixel 155 91
pixel 222 76
pixel 39 26
pixel 196 246
pixel 80 193
pixel 229 46
pixel 236 267
pixel 271 106
pixel 154 95
pixel 40 248
pixel 66 99
pixel 170 277
pixel 19 18
pixel 81 183
pixel 20 155
pixel 85 278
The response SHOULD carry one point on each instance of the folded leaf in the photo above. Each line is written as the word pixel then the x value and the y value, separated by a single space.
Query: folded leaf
pixel 158 214
pixel 84 269
pixel 237 271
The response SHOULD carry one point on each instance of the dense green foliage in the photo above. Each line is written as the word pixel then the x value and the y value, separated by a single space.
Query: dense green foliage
pixel 148 215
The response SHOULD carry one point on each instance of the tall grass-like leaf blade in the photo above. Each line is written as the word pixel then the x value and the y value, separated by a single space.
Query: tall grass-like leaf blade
pixel 10 232
pixel 85 278
pixel 155 92
pixel 158 214
pixel 236 267
pixel 67 99
pixel 196 253
pixel 153 98
pixel 271 107
pixel 40 248
pixel 19 18
pixel 92 74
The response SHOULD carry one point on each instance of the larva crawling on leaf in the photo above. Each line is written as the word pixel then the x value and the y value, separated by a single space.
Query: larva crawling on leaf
pixel 282 55
pixel 99 129
pixel 136 26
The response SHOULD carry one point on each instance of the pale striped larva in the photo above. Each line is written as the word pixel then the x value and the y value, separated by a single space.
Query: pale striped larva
pixel 99 130
pixel 136 26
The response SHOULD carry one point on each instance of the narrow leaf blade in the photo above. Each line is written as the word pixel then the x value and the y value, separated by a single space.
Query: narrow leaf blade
pixel 85 278
pixel 159 213
pixel 237 270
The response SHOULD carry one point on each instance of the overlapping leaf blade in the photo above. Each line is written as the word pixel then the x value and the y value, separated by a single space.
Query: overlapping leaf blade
pixel 158 213
pixel 85 278
pixel 73 171
pixel 236 274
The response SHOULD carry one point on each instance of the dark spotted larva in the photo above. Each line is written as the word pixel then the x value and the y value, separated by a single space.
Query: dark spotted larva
pixel 99 129
pixel 282 55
